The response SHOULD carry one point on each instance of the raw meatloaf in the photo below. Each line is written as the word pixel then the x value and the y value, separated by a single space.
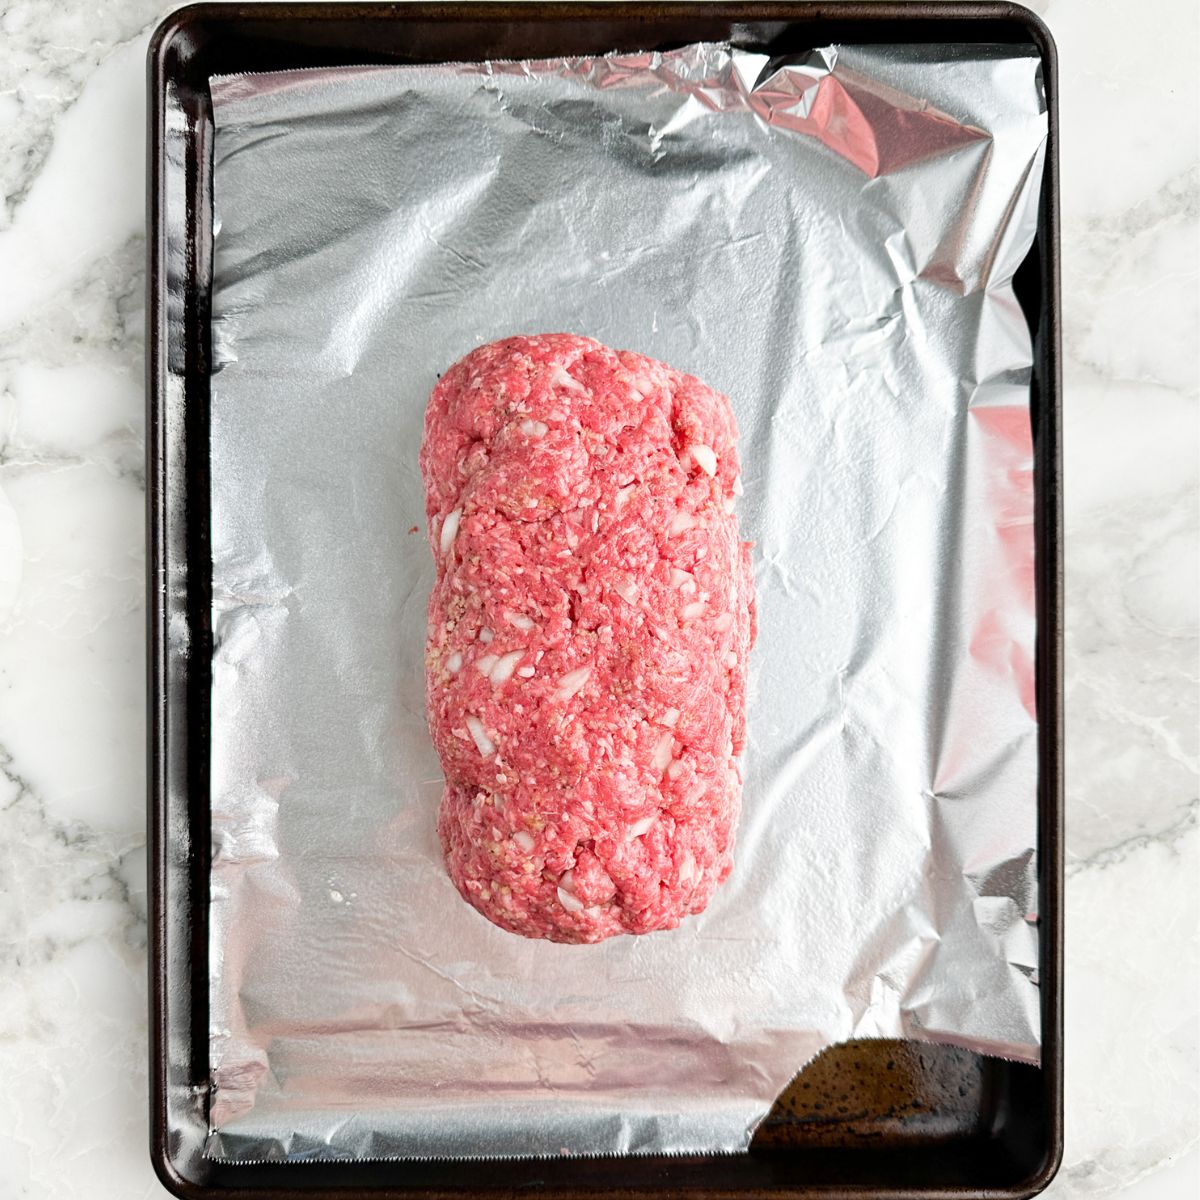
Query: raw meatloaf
pixel 588 636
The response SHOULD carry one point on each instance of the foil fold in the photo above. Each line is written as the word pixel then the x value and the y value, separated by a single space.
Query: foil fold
pixel 830 240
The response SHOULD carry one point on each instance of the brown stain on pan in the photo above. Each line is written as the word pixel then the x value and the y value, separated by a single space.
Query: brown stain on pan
pixel 884 1090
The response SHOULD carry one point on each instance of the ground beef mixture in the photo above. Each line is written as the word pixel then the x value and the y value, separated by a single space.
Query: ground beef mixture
pixel 588 636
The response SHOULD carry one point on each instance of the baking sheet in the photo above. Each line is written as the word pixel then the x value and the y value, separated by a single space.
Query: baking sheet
pixel 829 241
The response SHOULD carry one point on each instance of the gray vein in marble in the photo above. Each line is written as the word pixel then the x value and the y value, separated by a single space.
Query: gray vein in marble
pixel 120 453
pixel 1118 852
pixel 87 866
pixel 44 66
pixel 1110 251
pixel 1135 670
pixel 101 309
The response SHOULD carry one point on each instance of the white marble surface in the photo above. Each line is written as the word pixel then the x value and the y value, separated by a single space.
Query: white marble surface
pixel 72 878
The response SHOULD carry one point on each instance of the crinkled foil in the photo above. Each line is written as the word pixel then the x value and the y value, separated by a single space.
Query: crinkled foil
pixel 830 241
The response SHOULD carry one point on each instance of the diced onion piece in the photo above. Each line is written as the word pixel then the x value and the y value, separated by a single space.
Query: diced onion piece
pixel 506 666
pixel 731 660
pixel 687 868
pixel 523 840
pixel 682 520
pixel 569 902
pixel 723 622
pixel 627 590
pixel 738 490
pixel 689 612
pixel 486 635
pixel 572 681
pixel 567 880
pixel 705 459
pixel 559 376
pixel 454 663
pixel 670 718
pixel 450 529
pixel 661 758
pixel 526 672
pixel 683 579
pixel 520 621
pixel 639 827
pixel 534 429
pixel 729 504
pixel 485 664
pixel 483 743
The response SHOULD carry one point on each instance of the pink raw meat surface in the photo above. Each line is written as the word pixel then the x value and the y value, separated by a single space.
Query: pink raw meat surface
pixel 588 636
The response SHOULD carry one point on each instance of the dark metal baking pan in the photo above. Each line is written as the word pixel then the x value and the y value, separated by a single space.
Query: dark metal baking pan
pixel 896 1119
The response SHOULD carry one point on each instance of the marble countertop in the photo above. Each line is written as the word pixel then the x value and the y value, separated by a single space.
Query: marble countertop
pixel 73 1112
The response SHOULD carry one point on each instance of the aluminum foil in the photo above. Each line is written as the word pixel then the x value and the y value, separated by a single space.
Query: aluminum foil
pixel 830 241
